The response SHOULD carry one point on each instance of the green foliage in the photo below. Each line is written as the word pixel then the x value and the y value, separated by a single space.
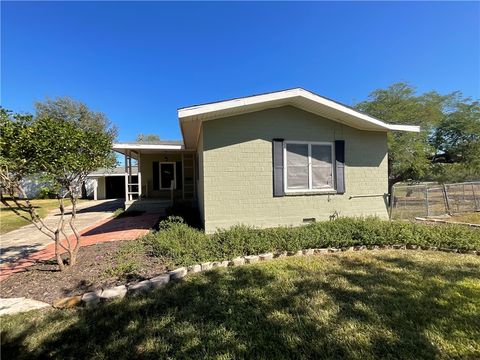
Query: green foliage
pixel 148 138
pixel 125 262
pixel 64 142
pixel 179 244
pixel 448 146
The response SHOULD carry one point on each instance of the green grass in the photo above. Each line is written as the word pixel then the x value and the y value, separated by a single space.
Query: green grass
pixel 10 221
pixel 471 218
pixel 352 305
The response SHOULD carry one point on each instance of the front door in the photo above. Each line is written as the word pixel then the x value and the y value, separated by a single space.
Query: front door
pixel 167 175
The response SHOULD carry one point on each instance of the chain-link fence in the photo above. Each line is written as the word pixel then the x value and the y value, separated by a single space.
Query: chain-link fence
pixel 422 200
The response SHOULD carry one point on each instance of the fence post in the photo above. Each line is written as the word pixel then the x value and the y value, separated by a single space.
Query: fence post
pixel 426 200
pixel 390 208
pixel 447 202
pixel 474 198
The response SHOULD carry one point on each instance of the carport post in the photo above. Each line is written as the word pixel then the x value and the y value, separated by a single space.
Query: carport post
pixel 126 176
pixel 139 176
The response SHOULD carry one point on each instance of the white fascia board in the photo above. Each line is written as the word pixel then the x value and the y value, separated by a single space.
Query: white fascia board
pixel 120 146
pixel 285 95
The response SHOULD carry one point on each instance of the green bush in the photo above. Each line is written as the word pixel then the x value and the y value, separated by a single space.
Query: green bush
pixel 178 244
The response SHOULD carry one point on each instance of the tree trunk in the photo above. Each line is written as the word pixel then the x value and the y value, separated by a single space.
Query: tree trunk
pixel 73 254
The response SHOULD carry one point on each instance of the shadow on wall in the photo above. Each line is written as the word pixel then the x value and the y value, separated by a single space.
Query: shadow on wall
pixel 363 148
pixel 353 309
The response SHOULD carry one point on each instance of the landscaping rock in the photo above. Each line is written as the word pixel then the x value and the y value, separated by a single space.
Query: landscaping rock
pixel 206 266
pixel 281 254
pixel 117 292
pixel 351 248
pixel 91 298
pixel 321 251
pixel 216 264
pixel 160 281
pixel 266 257
pixel 308 251
pixel 223 263
pixel 333 250
pixel 251 259
pixel 194 268
pixel 299 253
pixel 141 287
pixel 11 306
pixel 412 247
pixel 67 302
pixel 238 261
pixel 432 248
pixel 399 246
pixel 178 273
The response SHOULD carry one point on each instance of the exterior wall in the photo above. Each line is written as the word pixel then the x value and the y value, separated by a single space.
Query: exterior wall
pixel 199 176
pixel 237 165
pixel 146 167
pixel 101 192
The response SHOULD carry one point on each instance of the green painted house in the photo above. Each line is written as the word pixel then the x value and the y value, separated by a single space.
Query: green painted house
pixel 282 158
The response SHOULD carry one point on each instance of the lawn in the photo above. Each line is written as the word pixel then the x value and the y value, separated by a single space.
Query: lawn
pixel 352 305
pixel 10 221
pixel 471 218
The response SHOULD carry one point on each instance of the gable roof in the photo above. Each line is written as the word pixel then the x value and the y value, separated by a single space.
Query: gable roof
pixel 191 117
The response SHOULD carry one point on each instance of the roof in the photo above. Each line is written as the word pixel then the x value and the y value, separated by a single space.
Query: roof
pixel 119 170
pixel 191 117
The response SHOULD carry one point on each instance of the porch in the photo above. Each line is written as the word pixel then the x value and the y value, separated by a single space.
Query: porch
pixel 165 173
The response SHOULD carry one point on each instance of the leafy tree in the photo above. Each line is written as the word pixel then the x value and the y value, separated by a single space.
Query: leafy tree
pixel 446 149
pixel 148 137
pixel 63 143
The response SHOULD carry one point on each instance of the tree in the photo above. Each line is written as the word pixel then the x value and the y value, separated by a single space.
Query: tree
pixel 63 143
pixel 446 149
pixel 148 137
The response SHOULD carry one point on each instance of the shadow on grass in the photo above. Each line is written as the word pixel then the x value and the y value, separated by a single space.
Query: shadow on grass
pixel 384 308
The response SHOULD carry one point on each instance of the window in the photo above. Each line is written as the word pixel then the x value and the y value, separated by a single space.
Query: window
pixel 308 166
pixel 167 175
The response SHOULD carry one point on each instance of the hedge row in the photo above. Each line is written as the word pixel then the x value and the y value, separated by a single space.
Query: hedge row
pixel 179 244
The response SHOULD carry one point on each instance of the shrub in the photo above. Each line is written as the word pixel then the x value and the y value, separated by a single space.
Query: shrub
pixel 177 243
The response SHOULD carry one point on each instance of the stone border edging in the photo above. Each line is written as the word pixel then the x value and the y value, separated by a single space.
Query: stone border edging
pixel 440 221
pixel 118 292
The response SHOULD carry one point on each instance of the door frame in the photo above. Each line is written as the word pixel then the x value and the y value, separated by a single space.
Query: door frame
pixel 174 174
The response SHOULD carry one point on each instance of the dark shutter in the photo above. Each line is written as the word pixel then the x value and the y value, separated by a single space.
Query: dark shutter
pixel 340 166
pixel 277 154
pixel 179 175
pixel 156 176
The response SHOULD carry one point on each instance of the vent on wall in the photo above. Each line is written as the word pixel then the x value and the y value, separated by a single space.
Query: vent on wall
pixel 309 220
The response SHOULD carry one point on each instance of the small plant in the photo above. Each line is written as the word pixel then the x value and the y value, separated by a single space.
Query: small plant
pixel 118 212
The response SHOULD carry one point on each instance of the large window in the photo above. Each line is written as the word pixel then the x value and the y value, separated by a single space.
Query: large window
pixel 308 166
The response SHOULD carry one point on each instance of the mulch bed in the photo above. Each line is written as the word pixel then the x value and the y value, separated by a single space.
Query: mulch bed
pixel 45 282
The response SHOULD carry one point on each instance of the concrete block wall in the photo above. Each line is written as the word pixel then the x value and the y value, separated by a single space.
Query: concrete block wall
pixel 237 170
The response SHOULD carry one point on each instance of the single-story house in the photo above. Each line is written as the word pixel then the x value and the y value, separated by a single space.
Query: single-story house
pixel 281 158
pixel 108 183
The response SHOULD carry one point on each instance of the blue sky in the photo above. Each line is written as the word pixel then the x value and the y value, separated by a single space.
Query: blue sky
pixel 139 62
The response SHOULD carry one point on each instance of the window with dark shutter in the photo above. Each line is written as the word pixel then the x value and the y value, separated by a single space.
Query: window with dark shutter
pixel 277 154
pixel 340 166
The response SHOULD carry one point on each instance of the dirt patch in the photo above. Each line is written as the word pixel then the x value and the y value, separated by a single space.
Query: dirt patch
pixel 93 271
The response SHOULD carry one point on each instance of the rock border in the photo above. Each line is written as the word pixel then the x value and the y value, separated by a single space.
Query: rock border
pixel 118 292
pixel 440 221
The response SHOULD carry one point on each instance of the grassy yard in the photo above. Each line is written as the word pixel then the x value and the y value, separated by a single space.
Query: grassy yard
pixel 10 221
pixel 351 305
pixel 472 218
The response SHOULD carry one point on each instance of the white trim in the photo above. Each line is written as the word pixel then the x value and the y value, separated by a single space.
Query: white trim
pixel 160 175
pixel 126 146
pixel 248 102
pixel 310 177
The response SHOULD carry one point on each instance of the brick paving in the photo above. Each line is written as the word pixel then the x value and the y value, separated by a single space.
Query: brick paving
pixel 110 229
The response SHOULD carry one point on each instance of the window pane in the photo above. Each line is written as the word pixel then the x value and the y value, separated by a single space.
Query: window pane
pixel 322 176
pixel 297 166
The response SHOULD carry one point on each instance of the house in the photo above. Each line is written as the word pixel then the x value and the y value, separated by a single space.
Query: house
pixel 281 158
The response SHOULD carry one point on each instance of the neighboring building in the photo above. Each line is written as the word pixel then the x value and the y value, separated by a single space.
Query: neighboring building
pixel 282 158
pixel 108 183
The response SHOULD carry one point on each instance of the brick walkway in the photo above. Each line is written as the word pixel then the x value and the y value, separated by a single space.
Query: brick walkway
pixel 110 229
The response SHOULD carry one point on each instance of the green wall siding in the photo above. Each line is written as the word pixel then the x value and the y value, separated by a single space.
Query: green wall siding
pixel 237 170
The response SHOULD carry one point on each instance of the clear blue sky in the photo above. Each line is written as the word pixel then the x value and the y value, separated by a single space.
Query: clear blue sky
pixel 139 62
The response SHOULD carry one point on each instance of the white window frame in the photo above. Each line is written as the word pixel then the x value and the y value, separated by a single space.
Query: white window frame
pixel 174 175
pixel 310 182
